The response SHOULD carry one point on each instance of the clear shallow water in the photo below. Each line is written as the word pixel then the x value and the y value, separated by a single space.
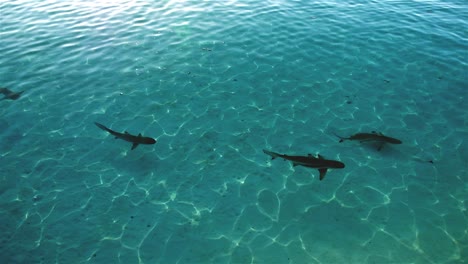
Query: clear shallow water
pixel 216 83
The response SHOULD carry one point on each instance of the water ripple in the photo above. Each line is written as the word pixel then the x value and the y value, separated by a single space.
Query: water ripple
pixel 215 82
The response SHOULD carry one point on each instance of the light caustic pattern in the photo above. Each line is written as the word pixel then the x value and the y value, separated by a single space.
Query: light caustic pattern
pixel 215 83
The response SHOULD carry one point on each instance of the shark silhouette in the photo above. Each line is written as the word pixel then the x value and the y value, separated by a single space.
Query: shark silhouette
pixel 309 161
pixel 136 140
pixel 378 137
pixel 8 94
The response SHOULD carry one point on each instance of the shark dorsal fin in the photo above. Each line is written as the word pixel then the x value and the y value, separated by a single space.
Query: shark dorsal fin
pixel 320 156
pixel 309 155
pixel 139 135
pixel 126 133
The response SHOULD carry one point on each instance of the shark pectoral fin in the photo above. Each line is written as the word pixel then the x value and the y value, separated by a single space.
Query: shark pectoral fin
pixel 134 146
pixel 380 146
pixel 322 173
pixel 295 164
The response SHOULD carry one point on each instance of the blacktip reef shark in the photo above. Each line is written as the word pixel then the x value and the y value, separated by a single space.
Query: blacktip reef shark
pixel 136 140
pixel 309 161
pixel 8 94
pixel 378 137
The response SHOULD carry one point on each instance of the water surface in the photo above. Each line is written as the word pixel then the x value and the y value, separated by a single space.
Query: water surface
pixel 215 82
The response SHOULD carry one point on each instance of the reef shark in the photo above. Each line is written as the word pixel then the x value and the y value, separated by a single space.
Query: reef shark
pixel 136 140
pixel 309 161
pixel 372 137
pixel 8 94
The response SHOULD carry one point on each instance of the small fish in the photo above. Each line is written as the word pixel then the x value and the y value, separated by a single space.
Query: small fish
pixel 309 161
pixel 136 140
pixel 372 137
pixel 8 94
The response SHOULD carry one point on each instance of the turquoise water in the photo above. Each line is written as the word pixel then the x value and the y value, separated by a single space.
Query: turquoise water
pixel 216 82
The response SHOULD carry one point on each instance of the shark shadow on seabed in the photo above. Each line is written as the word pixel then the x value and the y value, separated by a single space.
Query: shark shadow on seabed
pixel 9 94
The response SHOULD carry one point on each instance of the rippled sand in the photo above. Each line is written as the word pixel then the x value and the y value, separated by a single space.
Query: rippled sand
pixel 215 83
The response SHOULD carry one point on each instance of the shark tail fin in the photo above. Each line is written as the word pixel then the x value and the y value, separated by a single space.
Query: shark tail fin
pixel 340 137
pixel 101 126
pixel 271 153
